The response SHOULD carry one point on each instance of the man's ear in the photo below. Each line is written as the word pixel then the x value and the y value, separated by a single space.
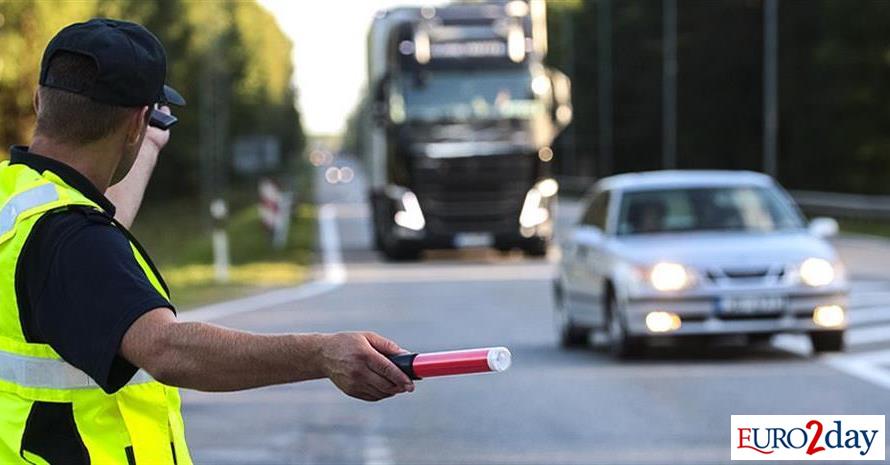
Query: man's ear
pixel 136 125
pixel 36 101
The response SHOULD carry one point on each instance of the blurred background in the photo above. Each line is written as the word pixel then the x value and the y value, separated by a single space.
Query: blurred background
pixel 429 170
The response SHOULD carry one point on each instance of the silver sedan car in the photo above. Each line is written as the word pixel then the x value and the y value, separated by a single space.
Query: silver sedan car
pixel 668 254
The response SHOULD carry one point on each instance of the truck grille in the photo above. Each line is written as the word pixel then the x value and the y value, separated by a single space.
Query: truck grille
pixel 473 194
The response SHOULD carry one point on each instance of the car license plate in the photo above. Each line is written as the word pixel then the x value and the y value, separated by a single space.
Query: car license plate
pixel 473 240
pixel 751 305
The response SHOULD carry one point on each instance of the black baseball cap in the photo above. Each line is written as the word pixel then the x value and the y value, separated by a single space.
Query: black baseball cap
pixel 131 63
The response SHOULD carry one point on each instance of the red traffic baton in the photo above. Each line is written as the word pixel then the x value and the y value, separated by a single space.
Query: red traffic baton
pixel 455 362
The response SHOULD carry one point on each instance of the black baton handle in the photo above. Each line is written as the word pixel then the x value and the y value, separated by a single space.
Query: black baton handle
pixel 405 362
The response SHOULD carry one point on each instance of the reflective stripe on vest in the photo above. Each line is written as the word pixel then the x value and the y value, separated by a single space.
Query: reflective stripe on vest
pixel 37 372
pixel 49 373
pixel 24 201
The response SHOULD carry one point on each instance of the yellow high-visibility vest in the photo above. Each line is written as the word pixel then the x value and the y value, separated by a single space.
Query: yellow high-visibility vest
pixel 141 423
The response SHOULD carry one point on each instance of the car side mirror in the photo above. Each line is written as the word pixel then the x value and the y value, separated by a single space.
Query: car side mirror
pixel 823 227
pixel 587 234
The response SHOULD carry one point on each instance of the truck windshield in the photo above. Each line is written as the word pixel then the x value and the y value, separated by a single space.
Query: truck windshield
pixel 736 208
pixel 465 96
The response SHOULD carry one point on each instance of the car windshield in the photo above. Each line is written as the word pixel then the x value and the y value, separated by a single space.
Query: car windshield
pixel 737 208
pixel 465 96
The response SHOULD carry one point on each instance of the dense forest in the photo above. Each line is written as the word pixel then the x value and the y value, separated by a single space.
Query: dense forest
pixel 230 60
pixel 834 88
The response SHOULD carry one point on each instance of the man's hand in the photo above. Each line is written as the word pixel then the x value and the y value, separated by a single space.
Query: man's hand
pixel 206 357
pixel 155 138
pixel 357 364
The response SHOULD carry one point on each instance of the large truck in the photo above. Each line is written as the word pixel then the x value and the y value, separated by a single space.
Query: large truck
pixel 463 114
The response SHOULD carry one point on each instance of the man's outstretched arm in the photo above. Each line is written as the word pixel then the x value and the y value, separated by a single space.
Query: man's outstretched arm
pixel 212 358
pixel 127 194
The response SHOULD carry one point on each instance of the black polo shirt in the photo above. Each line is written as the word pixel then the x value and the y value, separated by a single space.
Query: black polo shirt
pixel 78 284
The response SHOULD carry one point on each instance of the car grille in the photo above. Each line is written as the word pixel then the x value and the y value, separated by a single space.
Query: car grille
pixel 473 194
pixel 746 274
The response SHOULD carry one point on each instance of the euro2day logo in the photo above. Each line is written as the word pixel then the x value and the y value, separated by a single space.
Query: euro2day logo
pixel 807 437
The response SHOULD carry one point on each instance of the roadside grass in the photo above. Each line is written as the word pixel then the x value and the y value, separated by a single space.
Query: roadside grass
pixel 863 226
pixel 177 236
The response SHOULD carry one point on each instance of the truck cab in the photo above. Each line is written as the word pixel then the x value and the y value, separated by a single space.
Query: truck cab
pixel 464 113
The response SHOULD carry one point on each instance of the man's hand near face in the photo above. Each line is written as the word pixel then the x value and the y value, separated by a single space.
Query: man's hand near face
pixel 155 138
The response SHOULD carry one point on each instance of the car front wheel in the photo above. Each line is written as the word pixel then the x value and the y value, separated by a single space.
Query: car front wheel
pixel 568 333
pixel 621 344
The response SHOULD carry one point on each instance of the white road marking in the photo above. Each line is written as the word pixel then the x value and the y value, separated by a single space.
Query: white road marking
pixel 866 315
pixel 452 273
pixel 353 210
pixel 868 285
pixel 333 276
pixel 869 298
pixel 870 366
pixel 376 451
pixel 855 336
pixel 332 257
pixel 873 367
pixel 868 335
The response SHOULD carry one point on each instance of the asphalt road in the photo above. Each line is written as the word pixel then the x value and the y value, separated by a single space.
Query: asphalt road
pixel 552 407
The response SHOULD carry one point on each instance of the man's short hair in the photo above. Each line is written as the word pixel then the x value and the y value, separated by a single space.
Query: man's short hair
pixel 72 118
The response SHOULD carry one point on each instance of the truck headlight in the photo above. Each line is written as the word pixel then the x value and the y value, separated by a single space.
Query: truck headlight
pixel 534 208
pixel 669 277
pixel 816 272
pixel 409 215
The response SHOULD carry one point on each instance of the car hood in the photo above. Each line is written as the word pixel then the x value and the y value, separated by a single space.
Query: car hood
pixel 720 248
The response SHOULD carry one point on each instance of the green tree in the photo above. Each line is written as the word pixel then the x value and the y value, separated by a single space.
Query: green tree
pixel 834 85
pixel 237 45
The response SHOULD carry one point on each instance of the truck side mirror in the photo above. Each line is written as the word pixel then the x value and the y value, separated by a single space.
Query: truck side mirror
pixel 379 110
pixel 380 101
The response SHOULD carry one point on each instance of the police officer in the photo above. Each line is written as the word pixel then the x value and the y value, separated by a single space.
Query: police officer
pixel 90 347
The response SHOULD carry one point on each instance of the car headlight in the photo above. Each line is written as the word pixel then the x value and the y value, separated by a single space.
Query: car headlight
pixel 669 277
pixel 816 272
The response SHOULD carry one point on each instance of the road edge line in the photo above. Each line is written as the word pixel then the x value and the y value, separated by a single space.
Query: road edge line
pixel 333 276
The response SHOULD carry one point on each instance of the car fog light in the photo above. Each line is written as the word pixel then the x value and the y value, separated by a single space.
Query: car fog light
pixel 829 316
pixel 662 322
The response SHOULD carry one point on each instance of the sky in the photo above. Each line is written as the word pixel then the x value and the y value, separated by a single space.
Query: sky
pixel 329 39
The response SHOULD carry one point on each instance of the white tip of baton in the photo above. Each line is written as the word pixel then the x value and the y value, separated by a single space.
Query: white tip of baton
pixel 499 359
